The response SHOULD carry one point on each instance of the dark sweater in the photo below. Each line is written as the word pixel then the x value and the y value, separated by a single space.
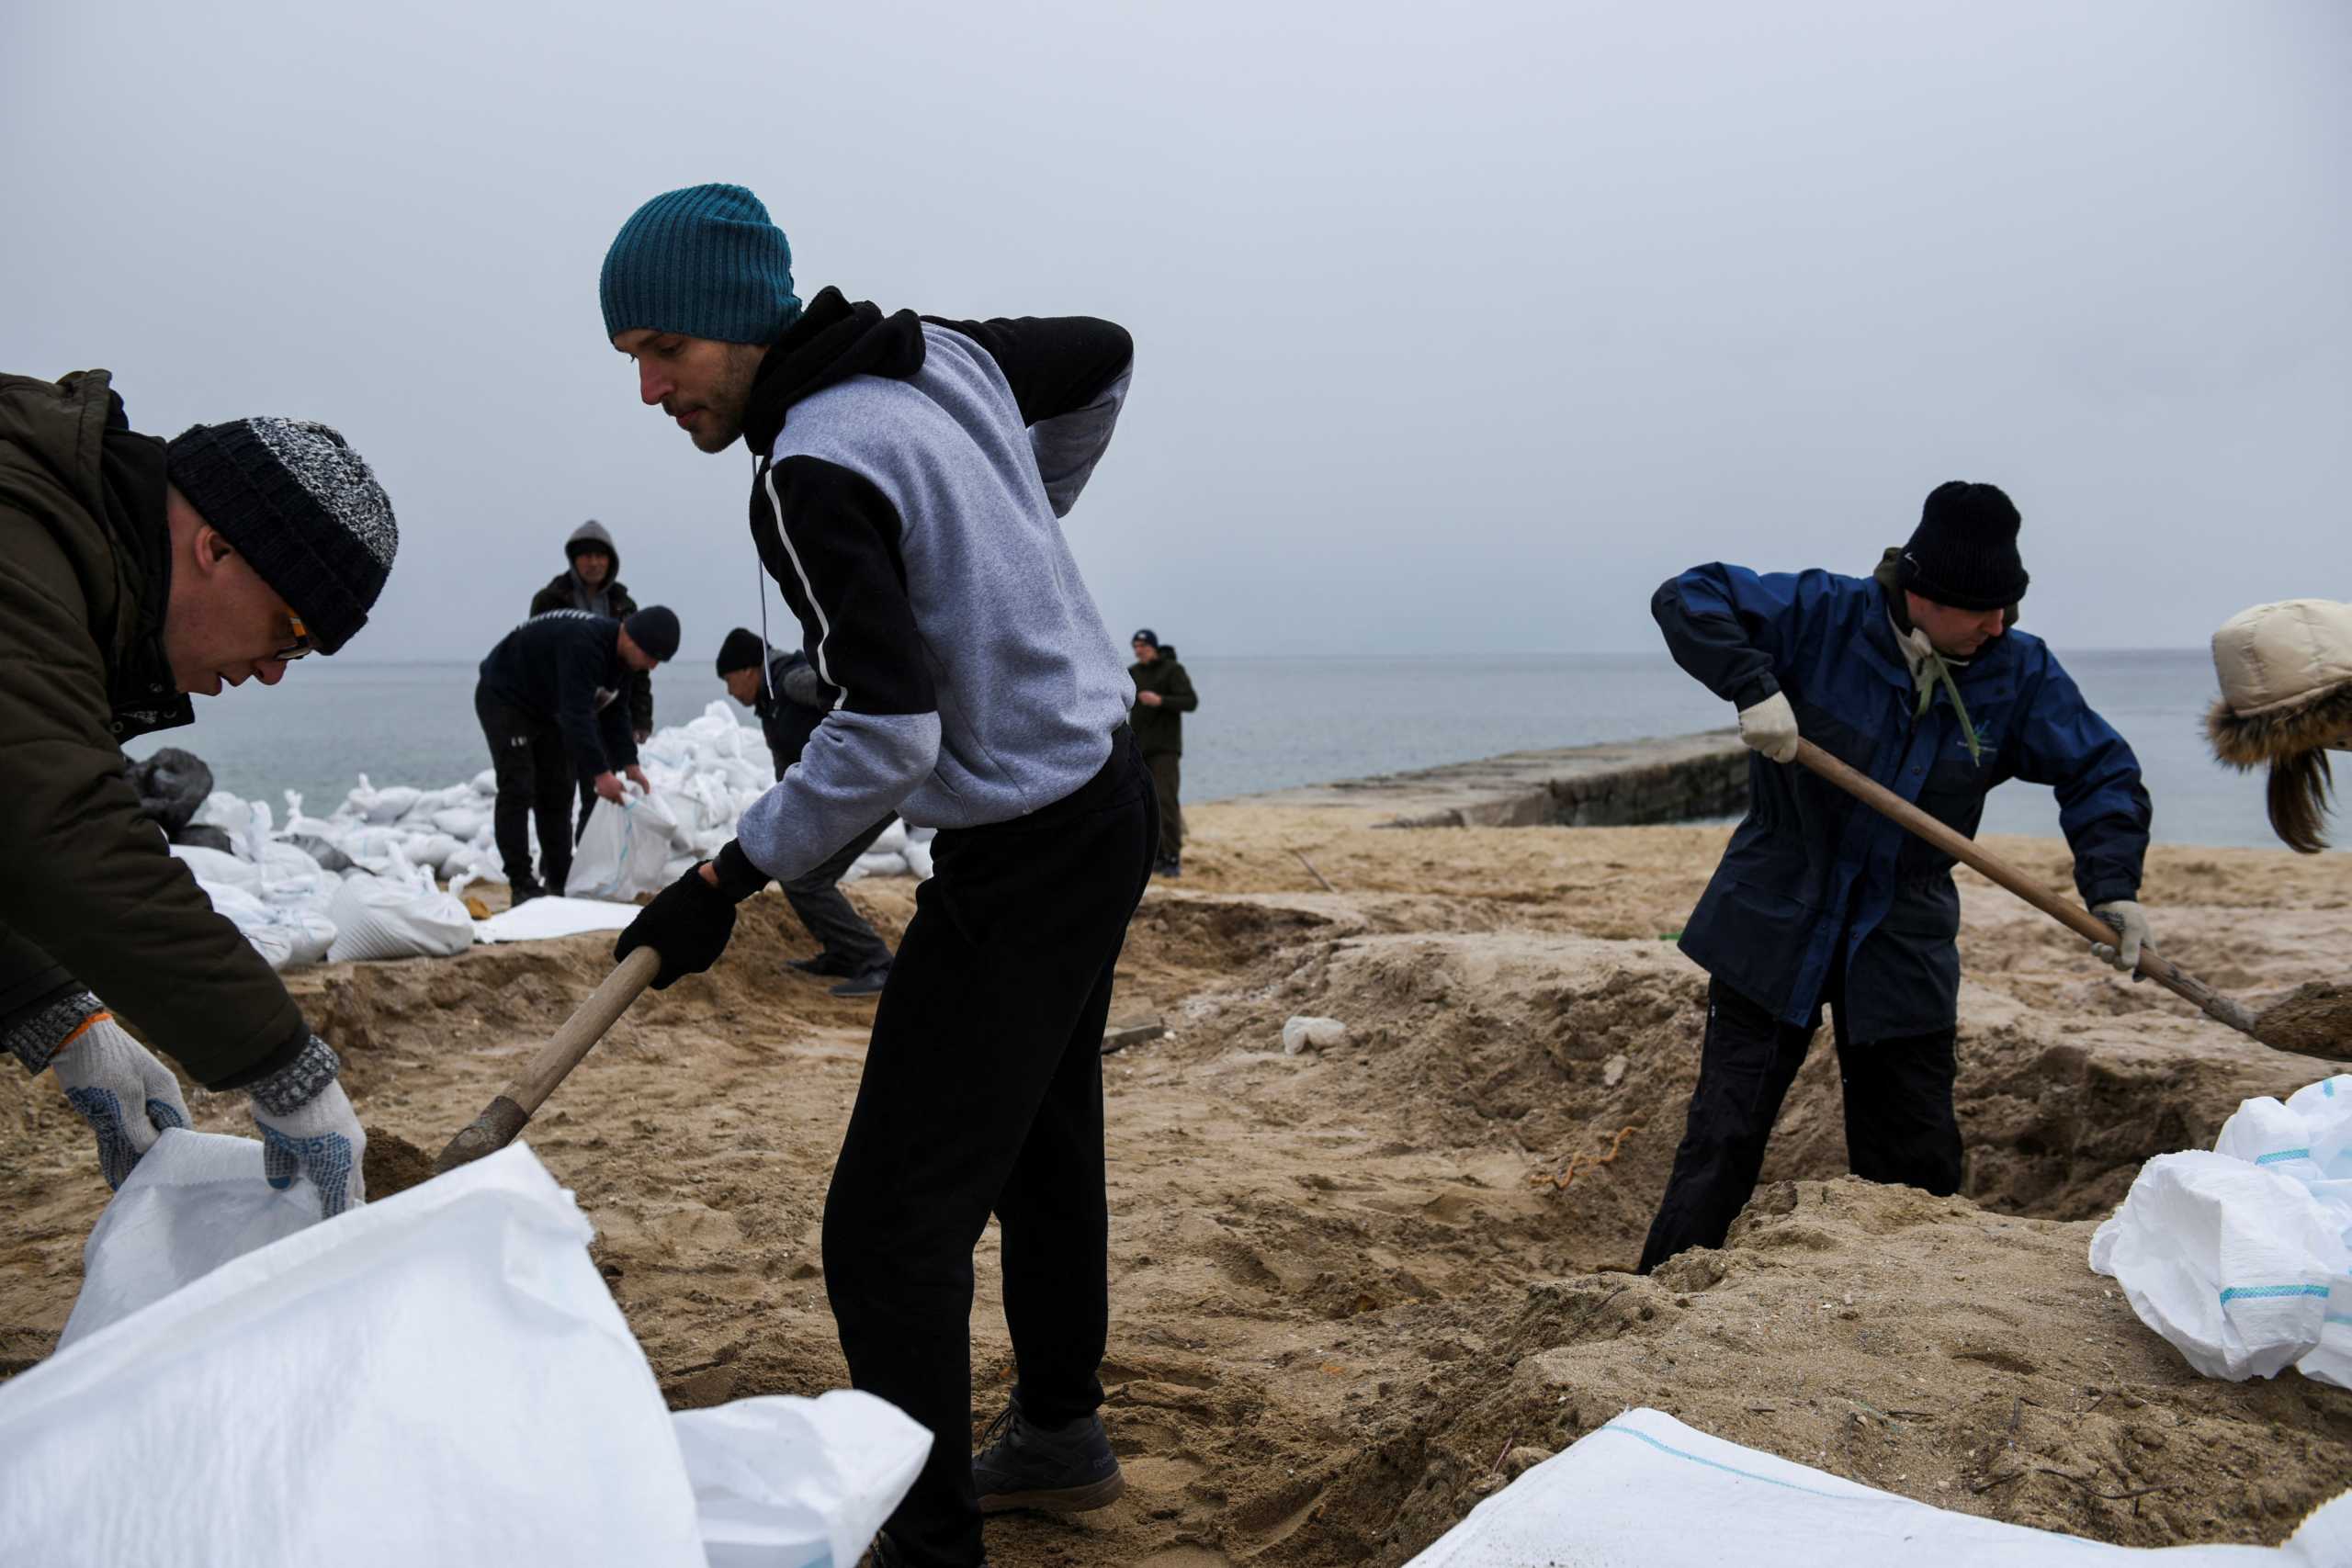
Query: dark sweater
pixel 565 669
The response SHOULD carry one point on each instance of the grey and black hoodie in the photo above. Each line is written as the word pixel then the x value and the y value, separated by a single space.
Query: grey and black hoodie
pixel 910 475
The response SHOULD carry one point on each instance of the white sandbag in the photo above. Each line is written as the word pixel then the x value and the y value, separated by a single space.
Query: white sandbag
pixel 194 1200
pixel 875 863
pixel 397 915
pixel 782 1482
pixel 243 1384
pixel 542 919
pixel 2229 1261
pixel 624 850
pixel 1646 1489
pixel 277 1410
pixel 892 839
pixel 380 807
pixel 218 867
pixel 918 861
pixel 461 822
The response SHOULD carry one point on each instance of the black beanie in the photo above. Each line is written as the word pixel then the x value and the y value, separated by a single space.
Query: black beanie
pixel 291 497
pixel 654 629
pixel 1147 636
pixel 741 651
pixel 1965 552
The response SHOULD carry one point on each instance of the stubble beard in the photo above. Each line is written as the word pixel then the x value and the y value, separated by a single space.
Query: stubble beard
pixel 728 397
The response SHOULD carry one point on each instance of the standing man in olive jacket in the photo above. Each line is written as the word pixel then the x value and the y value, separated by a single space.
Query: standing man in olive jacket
pixel 590 581
pixel 132 573
pixel 1163 696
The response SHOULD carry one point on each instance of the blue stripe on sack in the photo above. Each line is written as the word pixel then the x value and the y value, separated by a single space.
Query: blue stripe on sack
pixel 2344 1317
pixel 1718 1464
pixel 2275 1155
pixel 2269 1293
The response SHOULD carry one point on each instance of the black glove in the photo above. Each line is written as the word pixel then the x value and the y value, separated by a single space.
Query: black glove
pixel 687 923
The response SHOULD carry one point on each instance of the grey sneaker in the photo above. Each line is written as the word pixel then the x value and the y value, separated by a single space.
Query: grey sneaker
pixel 1060 1469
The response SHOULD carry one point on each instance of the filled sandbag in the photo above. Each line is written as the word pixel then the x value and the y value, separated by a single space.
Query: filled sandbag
pixel 624 850
pixel 441 1377
pixel 2241 1256
pixel 1646 1489
pixel 397 915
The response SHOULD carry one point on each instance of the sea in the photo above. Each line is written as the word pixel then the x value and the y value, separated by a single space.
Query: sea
pixel 1264 724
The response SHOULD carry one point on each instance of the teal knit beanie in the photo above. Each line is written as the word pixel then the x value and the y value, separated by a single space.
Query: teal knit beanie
pixel 704 261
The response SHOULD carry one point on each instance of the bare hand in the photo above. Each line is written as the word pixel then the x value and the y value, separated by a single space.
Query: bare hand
pixel 1149 699
pixel 642 736
pixel 608 788
pixel 637 777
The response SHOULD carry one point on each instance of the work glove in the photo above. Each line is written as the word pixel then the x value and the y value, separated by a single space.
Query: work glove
pixel 2131 923
pixel 687 923
pixel 1771 726
pixel 126 1095
pixel 308 1129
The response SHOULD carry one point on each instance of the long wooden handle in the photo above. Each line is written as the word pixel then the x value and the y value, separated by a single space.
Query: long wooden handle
pixel 2082 922
pixel 504 1117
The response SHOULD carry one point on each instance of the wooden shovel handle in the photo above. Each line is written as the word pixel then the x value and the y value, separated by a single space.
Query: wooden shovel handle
pixel 2081 921
pixel 504 1117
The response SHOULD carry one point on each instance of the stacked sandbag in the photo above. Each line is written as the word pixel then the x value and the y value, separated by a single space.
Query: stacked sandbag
pixel 371 862
pixel 2241 1256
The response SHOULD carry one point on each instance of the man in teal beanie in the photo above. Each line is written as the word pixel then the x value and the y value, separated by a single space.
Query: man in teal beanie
pixel 705 263
pixel 911 476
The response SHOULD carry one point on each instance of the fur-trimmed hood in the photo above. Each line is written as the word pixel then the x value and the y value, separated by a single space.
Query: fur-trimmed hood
pixel 2286 675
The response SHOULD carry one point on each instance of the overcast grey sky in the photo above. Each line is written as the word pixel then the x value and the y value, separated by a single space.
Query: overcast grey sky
pixel 1458 327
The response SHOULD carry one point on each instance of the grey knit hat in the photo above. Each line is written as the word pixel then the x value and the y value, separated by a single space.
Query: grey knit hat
pixel 303 508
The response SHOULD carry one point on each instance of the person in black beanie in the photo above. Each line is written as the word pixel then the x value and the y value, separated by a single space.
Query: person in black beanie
pixel 552 704
pixel 132 573
pixel 791 700
pixel 1915 677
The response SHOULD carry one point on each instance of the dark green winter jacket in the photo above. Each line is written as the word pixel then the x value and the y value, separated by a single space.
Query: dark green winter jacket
pixel 1161 729
pixel 89 894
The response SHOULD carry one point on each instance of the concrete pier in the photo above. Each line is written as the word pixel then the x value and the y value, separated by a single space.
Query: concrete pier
pixel 1678 778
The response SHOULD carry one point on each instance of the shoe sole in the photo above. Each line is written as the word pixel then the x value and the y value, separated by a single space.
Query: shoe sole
pixel 1067 1500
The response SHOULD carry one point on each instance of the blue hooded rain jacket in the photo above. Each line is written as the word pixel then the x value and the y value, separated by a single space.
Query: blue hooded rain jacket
pixel 1810 869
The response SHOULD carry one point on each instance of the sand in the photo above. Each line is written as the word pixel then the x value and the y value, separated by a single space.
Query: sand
pixel 1354 1291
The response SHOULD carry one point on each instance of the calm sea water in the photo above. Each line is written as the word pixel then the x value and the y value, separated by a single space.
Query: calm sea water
pixel 1264 724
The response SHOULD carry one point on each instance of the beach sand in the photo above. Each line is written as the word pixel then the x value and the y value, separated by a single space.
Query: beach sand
pixel 1355 1291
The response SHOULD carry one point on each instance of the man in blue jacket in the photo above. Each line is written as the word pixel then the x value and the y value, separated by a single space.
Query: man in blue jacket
pixel 1914 677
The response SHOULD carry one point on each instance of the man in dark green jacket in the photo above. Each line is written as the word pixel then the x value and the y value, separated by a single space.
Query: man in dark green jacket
pixel 132 573
pixel 1163 696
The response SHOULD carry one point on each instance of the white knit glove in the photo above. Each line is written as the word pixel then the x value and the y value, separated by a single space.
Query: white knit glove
pixel 308 1129
pixel 2131 923
pixel 1771 726
pixel 126 1095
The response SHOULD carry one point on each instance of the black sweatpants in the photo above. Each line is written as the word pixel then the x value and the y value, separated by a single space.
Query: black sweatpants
pixel 983 1092
pixel 534 775
pixel 1900 1127
pixel 840 931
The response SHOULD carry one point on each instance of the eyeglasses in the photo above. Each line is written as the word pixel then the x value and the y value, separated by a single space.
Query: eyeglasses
pixel 301 643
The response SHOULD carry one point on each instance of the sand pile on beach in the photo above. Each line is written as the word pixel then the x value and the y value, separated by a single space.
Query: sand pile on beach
pixel 1356 1289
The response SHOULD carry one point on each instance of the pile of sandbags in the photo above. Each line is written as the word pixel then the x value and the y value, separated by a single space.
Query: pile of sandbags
pixel 442 1377
pixel 2241 1256
pixel 372 861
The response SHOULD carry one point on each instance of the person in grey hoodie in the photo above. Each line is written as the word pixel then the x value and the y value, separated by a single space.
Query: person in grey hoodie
pixel 911 476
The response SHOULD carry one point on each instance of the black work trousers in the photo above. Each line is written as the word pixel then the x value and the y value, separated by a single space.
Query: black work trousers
pixel 1900 1127
pixel 841 934
pixel 534 774
pixel 983 1092
pixel 1167 779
